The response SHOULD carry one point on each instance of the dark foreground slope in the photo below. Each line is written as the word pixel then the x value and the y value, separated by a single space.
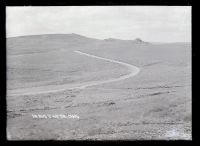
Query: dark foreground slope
pixel 154 104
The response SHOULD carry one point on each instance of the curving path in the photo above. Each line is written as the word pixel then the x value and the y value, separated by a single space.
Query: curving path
pixel 133 70
pixel 52 88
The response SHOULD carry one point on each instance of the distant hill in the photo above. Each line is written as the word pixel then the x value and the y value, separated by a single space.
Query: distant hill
pixel 66 38
pixel 70 38
pixel 135 41
pixel 138 40
pixel 47 42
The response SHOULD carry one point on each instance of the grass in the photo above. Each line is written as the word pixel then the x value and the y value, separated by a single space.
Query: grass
pixel 135 108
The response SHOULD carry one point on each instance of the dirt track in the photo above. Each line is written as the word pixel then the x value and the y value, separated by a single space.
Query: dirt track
pixel 57 88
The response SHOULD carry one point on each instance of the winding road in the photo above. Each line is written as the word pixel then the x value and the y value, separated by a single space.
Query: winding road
pixel 52 88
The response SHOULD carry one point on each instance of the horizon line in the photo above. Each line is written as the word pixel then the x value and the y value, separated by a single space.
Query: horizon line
pixel 96 38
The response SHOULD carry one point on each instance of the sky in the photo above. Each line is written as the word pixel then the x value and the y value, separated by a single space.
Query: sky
pixel 150 23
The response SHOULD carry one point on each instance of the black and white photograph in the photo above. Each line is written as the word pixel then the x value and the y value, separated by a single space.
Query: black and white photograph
pixel 98 73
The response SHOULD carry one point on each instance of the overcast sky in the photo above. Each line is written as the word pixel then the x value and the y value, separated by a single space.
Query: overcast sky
pixel 153 24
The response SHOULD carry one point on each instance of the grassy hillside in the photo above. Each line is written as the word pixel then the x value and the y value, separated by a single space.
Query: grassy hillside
pixel 155 104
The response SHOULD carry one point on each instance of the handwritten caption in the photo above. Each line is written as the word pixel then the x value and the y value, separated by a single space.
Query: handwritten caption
pixel 55 116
